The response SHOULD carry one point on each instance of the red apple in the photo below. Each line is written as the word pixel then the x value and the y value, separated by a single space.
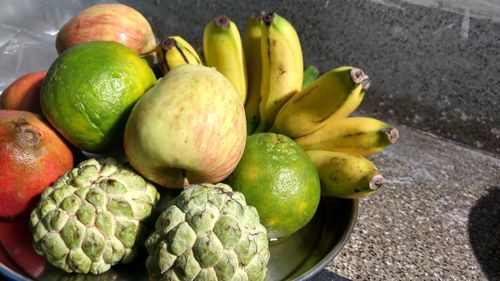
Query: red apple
pixel 32 157
pixel 108 22
pixel 24 93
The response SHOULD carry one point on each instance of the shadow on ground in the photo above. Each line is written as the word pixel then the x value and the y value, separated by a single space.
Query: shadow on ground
pixel 484 232
pixel 326 275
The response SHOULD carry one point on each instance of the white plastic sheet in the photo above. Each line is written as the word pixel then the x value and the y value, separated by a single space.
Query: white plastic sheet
pixel 28 30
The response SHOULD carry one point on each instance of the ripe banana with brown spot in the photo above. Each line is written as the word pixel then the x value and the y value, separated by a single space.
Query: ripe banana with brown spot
pixel 175 51
pixel 222 49
pixel 282 67
pixel 333 96
pixel 344 175
pixel 253 56
pixel 354 135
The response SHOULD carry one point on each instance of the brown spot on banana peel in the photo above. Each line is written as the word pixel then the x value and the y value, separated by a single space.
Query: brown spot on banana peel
pixel 281 69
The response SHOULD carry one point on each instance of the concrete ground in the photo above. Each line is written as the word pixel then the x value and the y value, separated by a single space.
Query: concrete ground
pixel 437 218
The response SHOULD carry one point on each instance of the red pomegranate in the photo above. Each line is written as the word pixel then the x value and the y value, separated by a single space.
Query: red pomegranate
pixel 32 157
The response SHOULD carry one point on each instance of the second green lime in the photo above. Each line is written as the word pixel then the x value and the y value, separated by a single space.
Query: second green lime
pixel 279 180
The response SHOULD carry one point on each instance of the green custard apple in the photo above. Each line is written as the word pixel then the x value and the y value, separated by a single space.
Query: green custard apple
pixel 93 217
pixel 208 232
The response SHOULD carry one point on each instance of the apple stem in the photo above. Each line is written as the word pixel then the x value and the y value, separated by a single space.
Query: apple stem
pixel 186 183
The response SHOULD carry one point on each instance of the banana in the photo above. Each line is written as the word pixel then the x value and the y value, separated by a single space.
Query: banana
pixel 282 67
pixel 222 48
pixel 175 51
pixel 310 74
pixel 334 95
pixel 344 175
pixel 251 46
pixel 354 135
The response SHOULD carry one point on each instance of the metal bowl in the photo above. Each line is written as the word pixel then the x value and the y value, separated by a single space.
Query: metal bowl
pixel 296 257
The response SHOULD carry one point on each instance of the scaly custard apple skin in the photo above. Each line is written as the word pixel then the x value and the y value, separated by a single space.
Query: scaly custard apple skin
pixel 93 217
pixel 208 233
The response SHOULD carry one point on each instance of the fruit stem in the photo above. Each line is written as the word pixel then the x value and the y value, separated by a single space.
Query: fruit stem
pixel 268 18
pixel 392 134
pixel 221 21
pixel 258 15
pixel 358 76
pixel 168 43
pixel 376 182
pixel 186 183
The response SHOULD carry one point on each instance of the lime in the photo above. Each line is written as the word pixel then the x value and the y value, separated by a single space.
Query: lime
pixel 279 180
pixel 90 90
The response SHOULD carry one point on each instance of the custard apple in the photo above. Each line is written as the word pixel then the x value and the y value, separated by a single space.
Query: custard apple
pixel 93 217
pixel 208 233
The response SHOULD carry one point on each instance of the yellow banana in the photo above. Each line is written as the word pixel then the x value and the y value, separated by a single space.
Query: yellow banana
pixel 175 51
pixel 282 67
pixel 251 46
pixel 334 95
pixel 354 135
pixel 344 175
pixel 222 48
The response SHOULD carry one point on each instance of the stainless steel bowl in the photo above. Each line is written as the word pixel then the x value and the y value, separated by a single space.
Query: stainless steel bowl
pixel 296 257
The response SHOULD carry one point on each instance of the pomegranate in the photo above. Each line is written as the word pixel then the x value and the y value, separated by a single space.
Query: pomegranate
pixel 32 156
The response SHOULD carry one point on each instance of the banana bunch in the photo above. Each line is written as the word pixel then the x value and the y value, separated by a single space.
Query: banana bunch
pixel 317 118
pixel 266 67
pixel 174 51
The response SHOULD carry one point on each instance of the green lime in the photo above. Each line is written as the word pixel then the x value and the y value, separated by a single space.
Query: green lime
pixel 279 180
pixel 90 90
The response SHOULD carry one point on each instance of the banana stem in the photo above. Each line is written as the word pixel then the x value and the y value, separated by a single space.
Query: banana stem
pixel 376 182
pixel 258 15
pixel 392 134
pixel 359 77
pixel 268 18
pixel 168 44
pixel 221 21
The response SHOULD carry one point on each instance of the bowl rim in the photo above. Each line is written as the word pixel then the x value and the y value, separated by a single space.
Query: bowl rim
pixel 338 247
pixel 14 276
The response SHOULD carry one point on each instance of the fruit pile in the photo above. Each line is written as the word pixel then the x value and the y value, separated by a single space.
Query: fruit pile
pixel 249 138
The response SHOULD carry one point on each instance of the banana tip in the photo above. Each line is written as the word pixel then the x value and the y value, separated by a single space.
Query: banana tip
pixel 358 76
pixel 168 43
pixel 258 15
pixel 392 135
pixel 221 21
pixel 268 18
pixel 376 182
